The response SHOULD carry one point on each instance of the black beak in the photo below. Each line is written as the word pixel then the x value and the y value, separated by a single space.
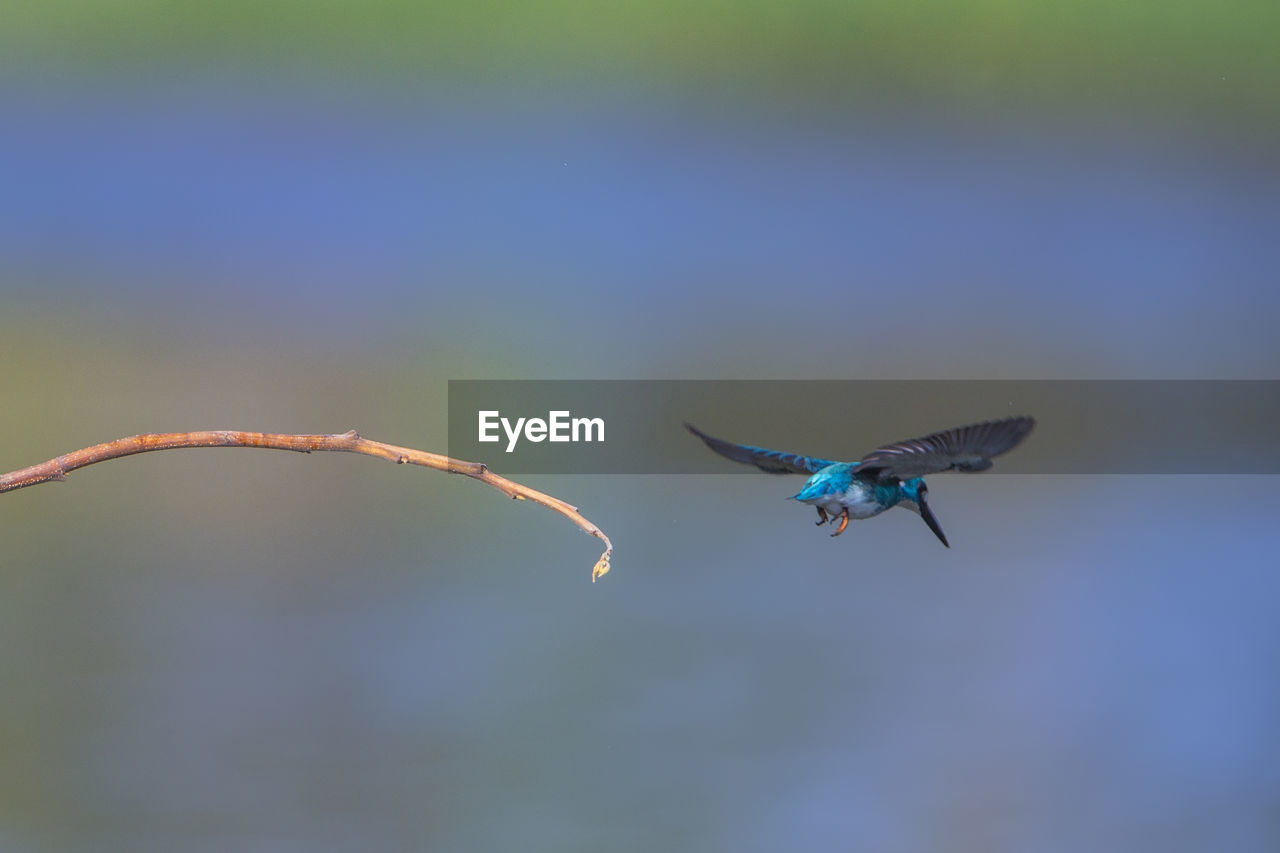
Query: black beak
pixel 927 515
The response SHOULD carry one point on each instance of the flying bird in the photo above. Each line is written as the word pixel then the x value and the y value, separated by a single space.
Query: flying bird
pixel 889 476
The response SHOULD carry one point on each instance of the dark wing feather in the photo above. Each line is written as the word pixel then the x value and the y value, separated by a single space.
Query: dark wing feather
pixel 967 448
pixel 772 461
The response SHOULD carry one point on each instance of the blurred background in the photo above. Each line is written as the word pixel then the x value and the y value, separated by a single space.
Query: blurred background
pixel 308 217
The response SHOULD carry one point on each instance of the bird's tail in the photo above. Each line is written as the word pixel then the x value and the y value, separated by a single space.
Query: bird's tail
pixel 927 514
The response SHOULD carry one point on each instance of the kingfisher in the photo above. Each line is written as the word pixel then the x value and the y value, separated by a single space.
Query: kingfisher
pixel 888 476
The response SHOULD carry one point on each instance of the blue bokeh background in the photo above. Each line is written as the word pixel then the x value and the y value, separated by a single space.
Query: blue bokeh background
pixel 309 222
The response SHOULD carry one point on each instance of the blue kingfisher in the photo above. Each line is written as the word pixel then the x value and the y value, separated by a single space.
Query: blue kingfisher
pixel 889 476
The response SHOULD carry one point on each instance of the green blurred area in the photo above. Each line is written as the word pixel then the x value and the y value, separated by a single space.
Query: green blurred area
pixel 1172 56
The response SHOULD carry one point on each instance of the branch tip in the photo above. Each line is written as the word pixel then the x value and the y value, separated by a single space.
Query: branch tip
pixel 601 568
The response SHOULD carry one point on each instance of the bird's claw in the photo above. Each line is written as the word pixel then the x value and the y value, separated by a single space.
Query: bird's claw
pixel 844 522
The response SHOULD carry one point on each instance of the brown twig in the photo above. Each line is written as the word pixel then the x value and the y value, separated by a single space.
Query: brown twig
pixel 349 442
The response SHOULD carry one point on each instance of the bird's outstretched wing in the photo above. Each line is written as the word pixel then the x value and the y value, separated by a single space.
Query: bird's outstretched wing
pixel 967 448
pixel 773 461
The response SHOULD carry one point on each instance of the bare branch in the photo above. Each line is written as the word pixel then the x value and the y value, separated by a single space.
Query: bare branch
pixel 348 442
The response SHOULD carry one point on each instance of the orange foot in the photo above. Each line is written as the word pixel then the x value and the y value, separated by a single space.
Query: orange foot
pixel 822 516
pixel 844 522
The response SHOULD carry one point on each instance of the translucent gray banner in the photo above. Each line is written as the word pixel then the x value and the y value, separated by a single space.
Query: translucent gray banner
pixel 1084 426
